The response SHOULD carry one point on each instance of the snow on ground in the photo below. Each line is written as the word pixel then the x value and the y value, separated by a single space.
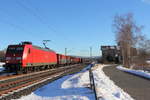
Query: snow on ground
pixel 1 63
pixel 75 87
pixel 71 87
pixel 148 61
pixel 1 68
pixel 142 73
pixel 106 89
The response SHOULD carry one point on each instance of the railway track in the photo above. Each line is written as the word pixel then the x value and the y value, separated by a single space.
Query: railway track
pixel 5 75
pixel 11 84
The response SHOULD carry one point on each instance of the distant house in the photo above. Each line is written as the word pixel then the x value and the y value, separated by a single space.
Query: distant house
pixel 111 54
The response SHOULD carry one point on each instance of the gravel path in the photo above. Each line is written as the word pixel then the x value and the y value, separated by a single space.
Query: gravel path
pixel 137 87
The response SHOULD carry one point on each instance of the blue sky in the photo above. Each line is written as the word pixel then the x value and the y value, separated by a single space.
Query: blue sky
pixel 73 24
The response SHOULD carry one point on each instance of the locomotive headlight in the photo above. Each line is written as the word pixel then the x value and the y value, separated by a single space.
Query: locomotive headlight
pixel 8 58
pixel 7 61
pixel 18 58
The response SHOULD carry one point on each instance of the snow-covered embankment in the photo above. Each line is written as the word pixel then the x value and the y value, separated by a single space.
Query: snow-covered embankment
pixel 71 87
pixel 1 66
pixel 76 87
pixel 141 73
pixel 106 89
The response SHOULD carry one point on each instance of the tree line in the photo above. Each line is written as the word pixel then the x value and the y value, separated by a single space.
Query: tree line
pixel 2 55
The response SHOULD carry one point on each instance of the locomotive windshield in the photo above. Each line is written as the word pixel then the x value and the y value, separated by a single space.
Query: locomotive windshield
pixel 15 50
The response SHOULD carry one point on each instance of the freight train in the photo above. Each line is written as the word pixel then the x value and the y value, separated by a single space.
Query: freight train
pixel 26 57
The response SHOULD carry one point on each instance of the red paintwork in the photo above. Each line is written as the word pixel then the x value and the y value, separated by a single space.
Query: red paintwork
pixel 32 56
pixel 61 59
pixel 38 56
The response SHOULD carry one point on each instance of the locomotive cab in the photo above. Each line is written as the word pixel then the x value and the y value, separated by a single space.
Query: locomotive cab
pixel 14 54
pixel 13 58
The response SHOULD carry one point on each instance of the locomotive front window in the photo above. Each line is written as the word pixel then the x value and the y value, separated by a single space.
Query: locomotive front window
pixel 15 50
pixel 11 49
pixel 19 50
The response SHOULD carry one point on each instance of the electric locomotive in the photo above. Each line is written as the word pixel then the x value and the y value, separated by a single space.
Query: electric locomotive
pixel 27 57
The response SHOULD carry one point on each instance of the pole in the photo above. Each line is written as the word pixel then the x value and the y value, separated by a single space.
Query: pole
pixel 65 51
pixel 65 55
pixel 91 53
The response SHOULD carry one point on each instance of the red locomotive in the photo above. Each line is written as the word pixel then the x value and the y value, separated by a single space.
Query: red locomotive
pixel 27 57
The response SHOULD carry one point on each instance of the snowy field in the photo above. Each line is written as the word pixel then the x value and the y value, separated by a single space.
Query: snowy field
pixel 1 68
pixel 76 87
pixel 142 73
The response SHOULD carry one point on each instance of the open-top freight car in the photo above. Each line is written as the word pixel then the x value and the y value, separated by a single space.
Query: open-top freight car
pixel 61 59
pixel 67 60
pixel 26 57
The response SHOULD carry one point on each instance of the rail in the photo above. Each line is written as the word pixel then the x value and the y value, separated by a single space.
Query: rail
pixel 12 84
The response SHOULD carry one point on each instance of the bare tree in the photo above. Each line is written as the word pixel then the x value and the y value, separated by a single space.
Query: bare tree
pixel 125 29
pixel 2 55
pixel 143 46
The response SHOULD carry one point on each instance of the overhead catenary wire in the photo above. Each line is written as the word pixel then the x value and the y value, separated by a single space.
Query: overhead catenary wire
pixel 15 26
pixel 11 24
pixel 38 16
pixel 33 10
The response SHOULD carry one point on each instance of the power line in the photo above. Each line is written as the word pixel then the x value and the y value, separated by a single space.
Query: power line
pixel 39 17
pixel 15 26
